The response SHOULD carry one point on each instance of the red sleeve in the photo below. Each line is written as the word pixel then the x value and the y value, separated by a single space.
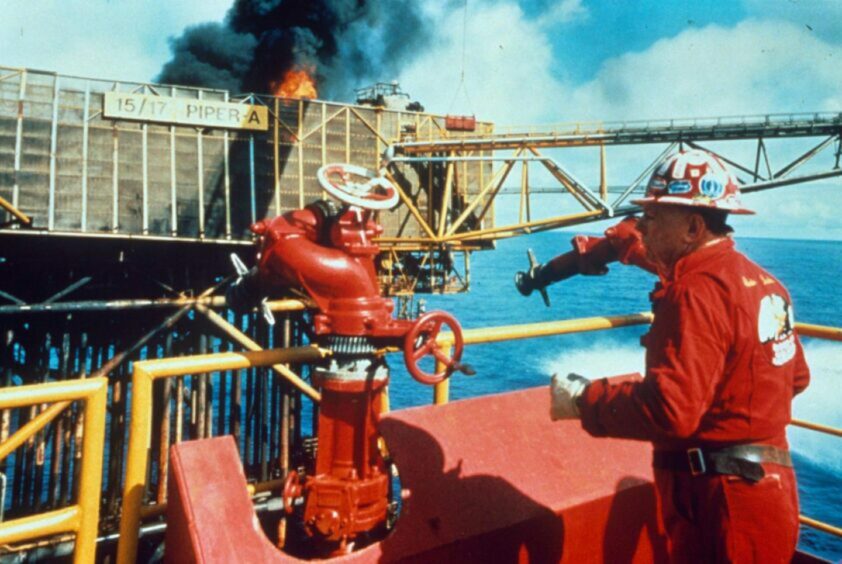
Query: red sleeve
pixel 628 243
pixel 801 379
pixel 686 352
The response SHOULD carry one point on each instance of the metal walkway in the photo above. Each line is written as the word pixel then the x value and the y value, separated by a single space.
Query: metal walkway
pixel 818 159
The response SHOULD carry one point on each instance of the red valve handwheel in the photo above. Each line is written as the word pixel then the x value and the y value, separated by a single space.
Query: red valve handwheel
pixel 420 341
pixel 292 490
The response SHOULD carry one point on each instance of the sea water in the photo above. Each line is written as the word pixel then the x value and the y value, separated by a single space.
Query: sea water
pixel 810 269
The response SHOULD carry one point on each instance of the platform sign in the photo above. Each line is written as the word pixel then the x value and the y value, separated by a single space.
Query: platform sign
pixel 185 111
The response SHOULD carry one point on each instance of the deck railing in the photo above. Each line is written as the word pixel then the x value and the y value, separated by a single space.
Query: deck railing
pixel 533 330
pixel 81 518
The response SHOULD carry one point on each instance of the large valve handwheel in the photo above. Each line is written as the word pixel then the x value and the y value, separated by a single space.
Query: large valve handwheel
pixel 292 490
pixel 420 342
pixel 358 186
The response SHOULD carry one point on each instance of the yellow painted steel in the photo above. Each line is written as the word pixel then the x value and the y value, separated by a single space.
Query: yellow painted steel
pixel 147 371
pixel 407 201
pixel 47 524
pixel 32 426
pixel 819 331
pixel 83 517
pixel 532 330
pixel 441 391
pixel 500 232
pixel 244 340
pixel 22 217
pixel 817 427
pixel 820 525
pixel 448 189
pixel 494 184
pixel 140 432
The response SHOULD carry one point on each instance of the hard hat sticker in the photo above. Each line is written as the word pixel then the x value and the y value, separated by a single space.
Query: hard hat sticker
pixel 711 186
pixel 657 184
pixel 679 187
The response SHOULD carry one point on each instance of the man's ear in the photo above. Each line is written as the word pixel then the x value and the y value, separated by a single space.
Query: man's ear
pixel 696 227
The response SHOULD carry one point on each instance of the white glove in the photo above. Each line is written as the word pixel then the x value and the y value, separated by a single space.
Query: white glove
pixel 563 395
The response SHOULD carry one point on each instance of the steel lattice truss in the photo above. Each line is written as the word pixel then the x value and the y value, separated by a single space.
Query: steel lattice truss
pixel 819 133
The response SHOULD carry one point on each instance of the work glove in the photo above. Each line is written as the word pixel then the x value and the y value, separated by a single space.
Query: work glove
pixel 564 391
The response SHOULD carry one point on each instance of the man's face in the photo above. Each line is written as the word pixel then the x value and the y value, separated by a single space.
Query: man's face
pixel 665 231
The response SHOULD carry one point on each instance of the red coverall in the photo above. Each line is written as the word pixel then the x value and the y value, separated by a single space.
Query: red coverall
pixel 722 365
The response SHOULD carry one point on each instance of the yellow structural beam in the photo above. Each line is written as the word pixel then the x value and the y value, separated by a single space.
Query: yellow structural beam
pixel 83 517
pixel 66 520
pixel 140 432
pixel 31 427
pixel 251 345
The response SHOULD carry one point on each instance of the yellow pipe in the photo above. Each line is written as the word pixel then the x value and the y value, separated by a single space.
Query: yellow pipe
pixel 52 392
pixel 31 427
pixel 286 305
pixel 817 427
pixel 531 330
pixel 136 461
pixel 441 391
pixel 820 331
pixel 64 520
pixel 141 426
pixel 561 220
pixel 820 525
pixel 245 341
pixel 217 362
pixel 90 486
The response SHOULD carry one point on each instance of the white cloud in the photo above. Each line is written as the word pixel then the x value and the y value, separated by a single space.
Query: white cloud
pixel 125 39
pixel 755 67
pixel 507 66
pixel 564 12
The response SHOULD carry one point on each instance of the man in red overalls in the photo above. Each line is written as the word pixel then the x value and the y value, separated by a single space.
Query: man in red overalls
pixel 722 365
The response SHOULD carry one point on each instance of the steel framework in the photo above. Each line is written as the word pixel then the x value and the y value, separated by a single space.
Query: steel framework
pixel 818 133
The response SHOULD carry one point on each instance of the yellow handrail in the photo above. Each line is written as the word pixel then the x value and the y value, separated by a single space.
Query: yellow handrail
pixel 83 517
pixel 144 374
pixel 533 330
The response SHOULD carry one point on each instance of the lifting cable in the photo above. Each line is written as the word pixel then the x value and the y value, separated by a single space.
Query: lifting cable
pixel 462 85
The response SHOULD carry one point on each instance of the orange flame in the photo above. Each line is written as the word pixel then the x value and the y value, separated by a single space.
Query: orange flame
pixel 297 83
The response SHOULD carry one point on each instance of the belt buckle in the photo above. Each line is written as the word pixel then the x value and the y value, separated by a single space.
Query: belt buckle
pixel 696 461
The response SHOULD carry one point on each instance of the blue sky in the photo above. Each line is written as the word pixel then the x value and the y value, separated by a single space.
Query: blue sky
pixel 535 62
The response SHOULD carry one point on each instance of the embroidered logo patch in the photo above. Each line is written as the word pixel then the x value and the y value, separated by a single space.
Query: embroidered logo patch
pixel 775 322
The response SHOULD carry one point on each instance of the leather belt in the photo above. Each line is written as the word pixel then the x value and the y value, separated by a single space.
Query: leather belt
pixel 740 460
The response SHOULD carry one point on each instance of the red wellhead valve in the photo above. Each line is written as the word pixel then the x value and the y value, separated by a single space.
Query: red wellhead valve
pixel 329 252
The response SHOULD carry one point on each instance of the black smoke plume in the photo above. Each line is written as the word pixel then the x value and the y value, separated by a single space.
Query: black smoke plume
pixel 345 43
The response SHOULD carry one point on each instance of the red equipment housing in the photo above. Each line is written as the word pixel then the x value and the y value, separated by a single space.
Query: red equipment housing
pixel 331 256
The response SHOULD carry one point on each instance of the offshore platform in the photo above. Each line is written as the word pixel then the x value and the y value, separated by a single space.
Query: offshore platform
pixel 122 204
